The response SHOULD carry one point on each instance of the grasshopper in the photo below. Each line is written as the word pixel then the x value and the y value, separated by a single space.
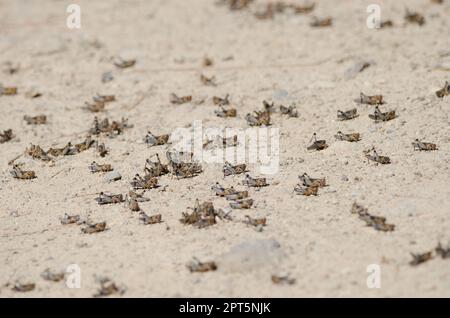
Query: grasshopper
pixel 307 181
pixel 282 280
pixel 229 169
pixel 224 113
pixel 377 222
pixel 37 152
pixel 48 275
pixel 18 173
pixel 95 167
pixel 7 91
pixel 35 120
pixel 153 219
pixel 255 221
pixel 108 198
pixel 241 204
pixel 320 23
pixel 94 228
pixel 414 17
pixel 101 149
pixel 354 137
pixel 444 91
pixel 375 157
pixel 219 101
pixel 183 169
pixel 347 115
pixel 153 140
pixel 257 182
pixel 70 219
pixel 208 81
pixel 291 111
pixel 259 118
pixel 203 215
pixel 23 287
pixel 174 99
pixel 7 135
pixel 146 182
pixel 420 258
pixel 380 116
pixel 108 287
pixel 444 252
pixel 155 169
pixel 196 266
pixel 306 190
pixel 426 146
pixel 317 144
pixel 370 100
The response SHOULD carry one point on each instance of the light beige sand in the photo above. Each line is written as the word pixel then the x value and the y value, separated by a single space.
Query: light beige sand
pixel 326 248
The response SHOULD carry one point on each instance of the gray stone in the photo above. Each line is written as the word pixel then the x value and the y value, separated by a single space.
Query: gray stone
pixel 113 176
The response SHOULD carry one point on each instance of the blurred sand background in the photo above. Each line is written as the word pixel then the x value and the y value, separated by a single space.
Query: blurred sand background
pixel 324 247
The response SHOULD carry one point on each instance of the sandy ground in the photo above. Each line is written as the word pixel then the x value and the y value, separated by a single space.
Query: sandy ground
pixel 325 248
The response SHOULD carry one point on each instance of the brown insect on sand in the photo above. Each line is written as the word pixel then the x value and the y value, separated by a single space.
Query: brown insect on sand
pixel 423 146
pixel 317 144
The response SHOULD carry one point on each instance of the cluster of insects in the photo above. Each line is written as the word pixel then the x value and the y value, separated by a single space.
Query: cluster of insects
pixel 183 165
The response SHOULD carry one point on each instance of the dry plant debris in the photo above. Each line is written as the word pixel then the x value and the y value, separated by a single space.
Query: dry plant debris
pixel 153 140
pixel 94 228
pixel 196 266
pixel 254 182
pixel 18 173
pixel 174 99
pixel 35 120
pixel 317 144
pixel 370 99
pixel 109 198
pixel 423 146
pixel 353 137
pixel 51 276
pixel 377 222
pixel 95 167
pixel 150 219
pixel 371 154
pixel 347 115
pixel 380 116
pixel 445 91
pixel 6 136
